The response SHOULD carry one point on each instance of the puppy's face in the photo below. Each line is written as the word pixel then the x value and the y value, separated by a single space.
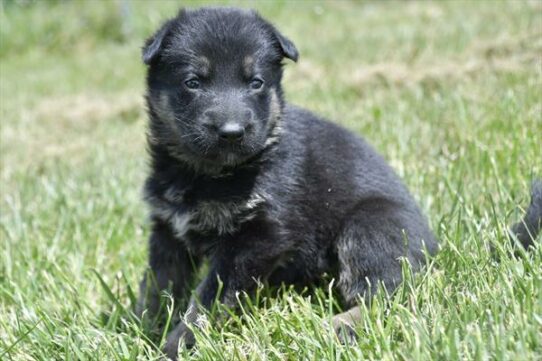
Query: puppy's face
pixel 214 85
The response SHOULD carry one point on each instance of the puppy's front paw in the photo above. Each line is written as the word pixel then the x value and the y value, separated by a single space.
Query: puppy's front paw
pixel 180 335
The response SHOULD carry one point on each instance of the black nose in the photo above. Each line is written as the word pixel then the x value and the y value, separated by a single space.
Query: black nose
pixel 232 132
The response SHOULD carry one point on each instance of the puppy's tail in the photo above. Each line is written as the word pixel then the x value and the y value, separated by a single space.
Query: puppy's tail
pixel 526 230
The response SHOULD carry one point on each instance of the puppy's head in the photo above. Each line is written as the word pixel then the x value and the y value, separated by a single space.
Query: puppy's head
pixel 214 92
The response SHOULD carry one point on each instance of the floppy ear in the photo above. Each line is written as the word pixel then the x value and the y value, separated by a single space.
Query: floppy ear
pixel 153 45
pixel 288 48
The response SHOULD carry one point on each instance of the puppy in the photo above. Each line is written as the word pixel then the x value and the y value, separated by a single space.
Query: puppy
pixel 261 189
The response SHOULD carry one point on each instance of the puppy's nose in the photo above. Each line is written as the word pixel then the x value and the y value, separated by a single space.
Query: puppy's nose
pixel 231 131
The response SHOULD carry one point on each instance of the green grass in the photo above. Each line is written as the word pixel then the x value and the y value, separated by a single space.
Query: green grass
pixel 450 92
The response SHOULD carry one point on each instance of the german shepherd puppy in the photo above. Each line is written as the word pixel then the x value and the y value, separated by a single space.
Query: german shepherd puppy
pixel 262 189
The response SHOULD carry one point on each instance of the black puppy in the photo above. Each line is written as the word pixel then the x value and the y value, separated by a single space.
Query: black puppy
pixel 262 189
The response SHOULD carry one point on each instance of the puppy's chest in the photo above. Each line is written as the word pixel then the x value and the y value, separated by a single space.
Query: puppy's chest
pixel 194 214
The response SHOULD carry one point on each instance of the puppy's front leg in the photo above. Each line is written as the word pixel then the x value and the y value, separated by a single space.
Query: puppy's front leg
pixel 171 266
pixel 237 270
pixel 204 295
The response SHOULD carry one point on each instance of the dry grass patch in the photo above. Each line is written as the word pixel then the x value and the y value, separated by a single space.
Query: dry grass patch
pixel 76 125
pixel 510 55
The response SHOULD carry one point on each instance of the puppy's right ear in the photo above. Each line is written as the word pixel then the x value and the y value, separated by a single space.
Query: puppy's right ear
pixel 288 48
pixel 153 45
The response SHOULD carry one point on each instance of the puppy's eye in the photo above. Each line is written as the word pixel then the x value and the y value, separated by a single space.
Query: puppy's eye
pixel 256 84
pixel 192 83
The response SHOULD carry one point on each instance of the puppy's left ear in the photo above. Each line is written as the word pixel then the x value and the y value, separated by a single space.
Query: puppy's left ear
pixel 288 48
pixel 153 45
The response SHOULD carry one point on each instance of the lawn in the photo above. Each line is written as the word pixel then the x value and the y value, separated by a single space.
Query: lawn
pixel 449 92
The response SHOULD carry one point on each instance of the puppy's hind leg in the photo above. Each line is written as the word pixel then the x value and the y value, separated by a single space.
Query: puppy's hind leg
pixel 369 250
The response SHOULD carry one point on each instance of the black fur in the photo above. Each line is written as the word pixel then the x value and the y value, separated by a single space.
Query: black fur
pixel 262 189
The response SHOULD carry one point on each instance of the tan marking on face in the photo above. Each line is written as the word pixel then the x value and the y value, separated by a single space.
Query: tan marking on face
pixel 248 64
pixel 274 122
pixel 163 108
pixel 274 107
pixel 204 65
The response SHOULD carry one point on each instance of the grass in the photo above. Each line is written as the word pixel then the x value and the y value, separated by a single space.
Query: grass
pixel 449 92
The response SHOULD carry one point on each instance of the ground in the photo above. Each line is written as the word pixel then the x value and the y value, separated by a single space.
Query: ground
pixel 449 92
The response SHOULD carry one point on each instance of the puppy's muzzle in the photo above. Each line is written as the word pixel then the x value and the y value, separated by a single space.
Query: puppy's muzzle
pixel 231 132
pixel 231 125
